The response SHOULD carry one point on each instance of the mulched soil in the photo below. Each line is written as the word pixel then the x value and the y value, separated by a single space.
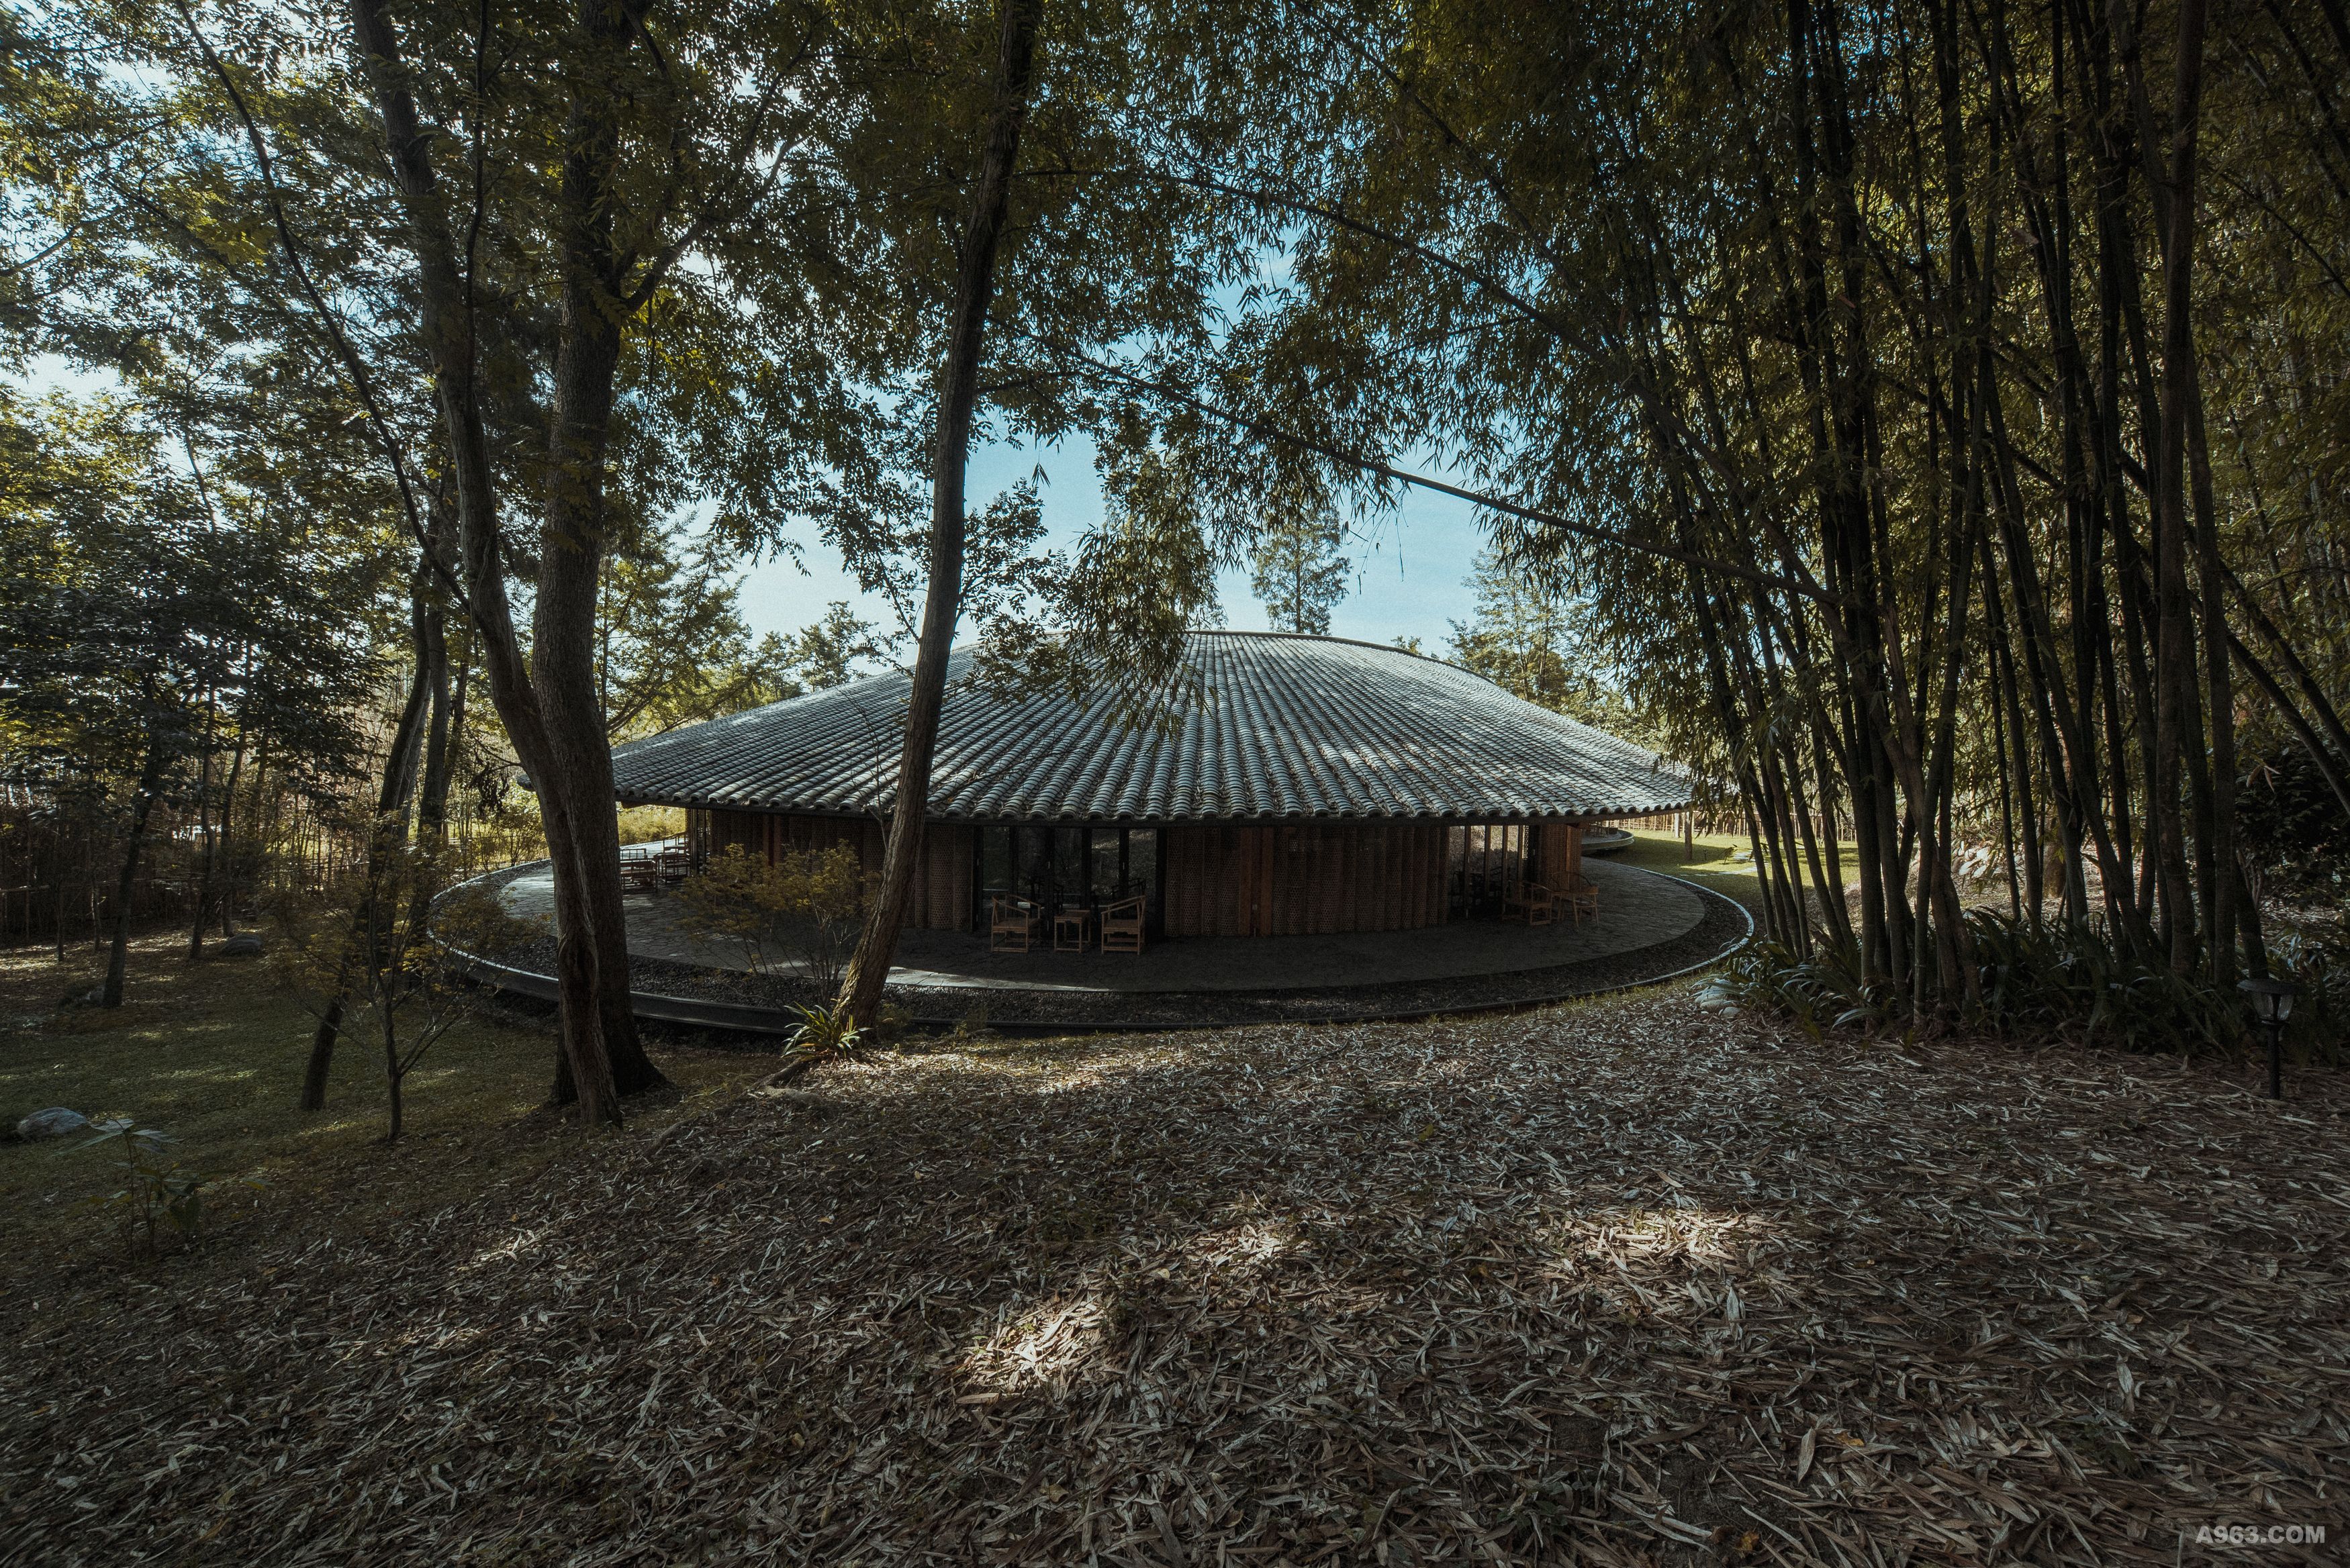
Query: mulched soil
pixel 1723 925
pixel 1621 1282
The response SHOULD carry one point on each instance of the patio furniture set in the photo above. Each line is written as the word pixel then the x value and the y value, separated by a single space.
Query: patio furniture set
pixel 1015 924
pixel 646 867
pixel 1539 904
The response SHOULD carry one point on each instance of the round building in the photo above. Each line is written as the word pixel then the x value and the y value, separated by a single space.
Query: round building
pixel 1289 786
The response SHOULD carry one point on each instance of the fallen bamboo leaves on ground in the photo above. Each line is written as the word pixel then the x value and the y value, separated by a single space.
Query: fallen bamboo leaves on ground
pixel 1621 1283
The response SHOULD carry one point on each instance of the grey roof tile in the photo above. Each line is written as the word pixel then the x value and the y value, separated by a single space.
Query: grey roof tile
pixel 1287 727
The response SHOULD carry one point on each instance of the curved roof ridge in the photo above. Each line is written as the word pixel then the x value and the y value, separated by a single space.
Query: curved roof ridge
pixel 1320 637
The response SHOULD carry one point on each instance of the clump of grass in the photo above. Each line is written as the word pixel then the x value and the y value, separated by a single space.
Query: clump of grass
pixel 157 1194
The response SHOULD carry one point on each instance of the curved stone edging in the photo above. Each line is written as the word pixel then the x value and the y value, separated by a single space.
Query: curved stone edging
pixel 700 1012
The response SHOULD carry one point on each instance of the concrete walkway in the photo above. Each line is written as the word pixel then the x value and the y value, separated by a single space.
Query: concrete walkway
pixel 1637 910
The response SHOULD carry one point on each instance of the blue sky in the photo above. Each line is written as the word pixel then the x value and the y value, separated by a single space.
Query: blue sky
pixel 1410 565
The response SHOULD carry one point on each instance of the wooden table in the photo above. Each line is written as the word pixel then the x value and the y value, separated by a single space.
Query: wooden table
pixel 1073 930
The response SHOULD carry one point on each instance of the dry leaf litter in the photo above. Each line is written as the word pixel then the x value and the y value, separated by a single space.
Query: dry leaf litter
pixel 1617 1284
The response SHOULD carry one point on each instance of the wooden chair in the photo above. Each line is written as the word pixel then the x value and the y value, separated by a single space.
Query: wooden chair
pixel 1582 901
pixel 1013 924
pixel 1121 926
pixel 1532 902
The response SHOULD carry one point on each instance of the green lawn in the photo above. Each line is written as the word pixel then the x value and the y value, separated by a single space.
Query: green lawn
pixel 1719 860
pixel 213 1053
pixel 1711 863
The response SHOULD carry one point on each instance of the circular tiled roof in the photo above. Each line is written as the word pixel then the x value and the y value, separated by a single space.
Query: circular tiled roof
pixel 1266 726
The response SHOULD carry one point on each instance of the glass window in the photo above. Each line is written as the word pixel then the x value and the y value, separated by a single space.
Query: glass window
pixel 1035 859
pixel 1142 862
pixel 1106 875
pixel 1069 865
pixel 995 859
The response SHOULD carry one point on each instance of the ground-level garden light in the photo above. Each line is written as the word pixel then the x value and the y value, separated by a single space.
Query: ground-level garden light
pixel 2271 1001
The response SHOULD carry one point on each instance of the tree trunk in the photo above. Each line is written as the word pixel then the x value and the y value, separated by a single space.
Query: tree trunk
pixel 203 831
pixel 572 540
pixel 943 604
pixel 446 305
pixel 150 780
pixel 393 1076
pixel 225 896
pixel 2220 704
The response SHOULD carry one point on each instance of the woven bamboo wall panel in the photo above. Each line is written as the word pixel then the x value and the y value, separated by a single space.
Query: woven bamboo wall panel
pixel 1224 879
pixel 747 828
pixel 945 877
pixel 1214 875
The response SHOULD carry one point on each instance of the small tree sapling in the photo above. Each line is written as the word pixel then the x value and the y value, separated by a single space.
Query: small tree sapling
pixel 382 940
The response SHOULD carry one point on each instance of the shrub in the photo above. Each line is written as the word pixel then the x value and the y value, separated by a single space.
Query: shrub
pixel 826 1035
pixel 2292 824
pixel 809 906
pixel 371 951
pixel 1824 990
pixel 2073 981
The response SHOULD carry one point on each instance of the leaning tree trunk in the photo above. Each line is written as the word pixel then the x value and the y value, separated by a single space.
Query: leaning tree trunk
pixel 433 788
pixel 150 780
pixel 591 936
pixel 942 607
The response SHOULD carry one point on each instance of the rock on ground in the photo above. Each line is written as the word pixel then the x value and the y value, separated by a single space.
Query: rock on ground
pixel 56 1121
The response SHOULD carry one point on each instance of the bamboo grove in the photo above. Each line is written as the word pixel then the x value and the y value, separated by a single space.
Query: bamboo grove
pixel 1938 402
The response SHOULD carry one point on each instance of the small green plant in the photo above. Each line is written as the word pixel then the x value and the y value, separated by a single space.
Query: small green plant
pixel 2076 981
pixel 155 1195
pixel 368 958
pixel 826 1035
pixel 1824 990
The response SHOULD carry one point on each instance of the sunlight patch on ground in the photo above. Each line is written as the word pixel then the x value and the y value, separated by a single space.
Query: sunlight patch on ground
pixel 224 1073
pixel 1047 1346
pixel 1240 1254
pixel 527 1240
pixel 1595 1279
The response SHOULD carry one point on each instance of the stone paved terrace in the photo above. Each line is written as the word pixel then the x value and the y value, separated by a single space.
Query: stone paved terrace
pixel 1637 910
